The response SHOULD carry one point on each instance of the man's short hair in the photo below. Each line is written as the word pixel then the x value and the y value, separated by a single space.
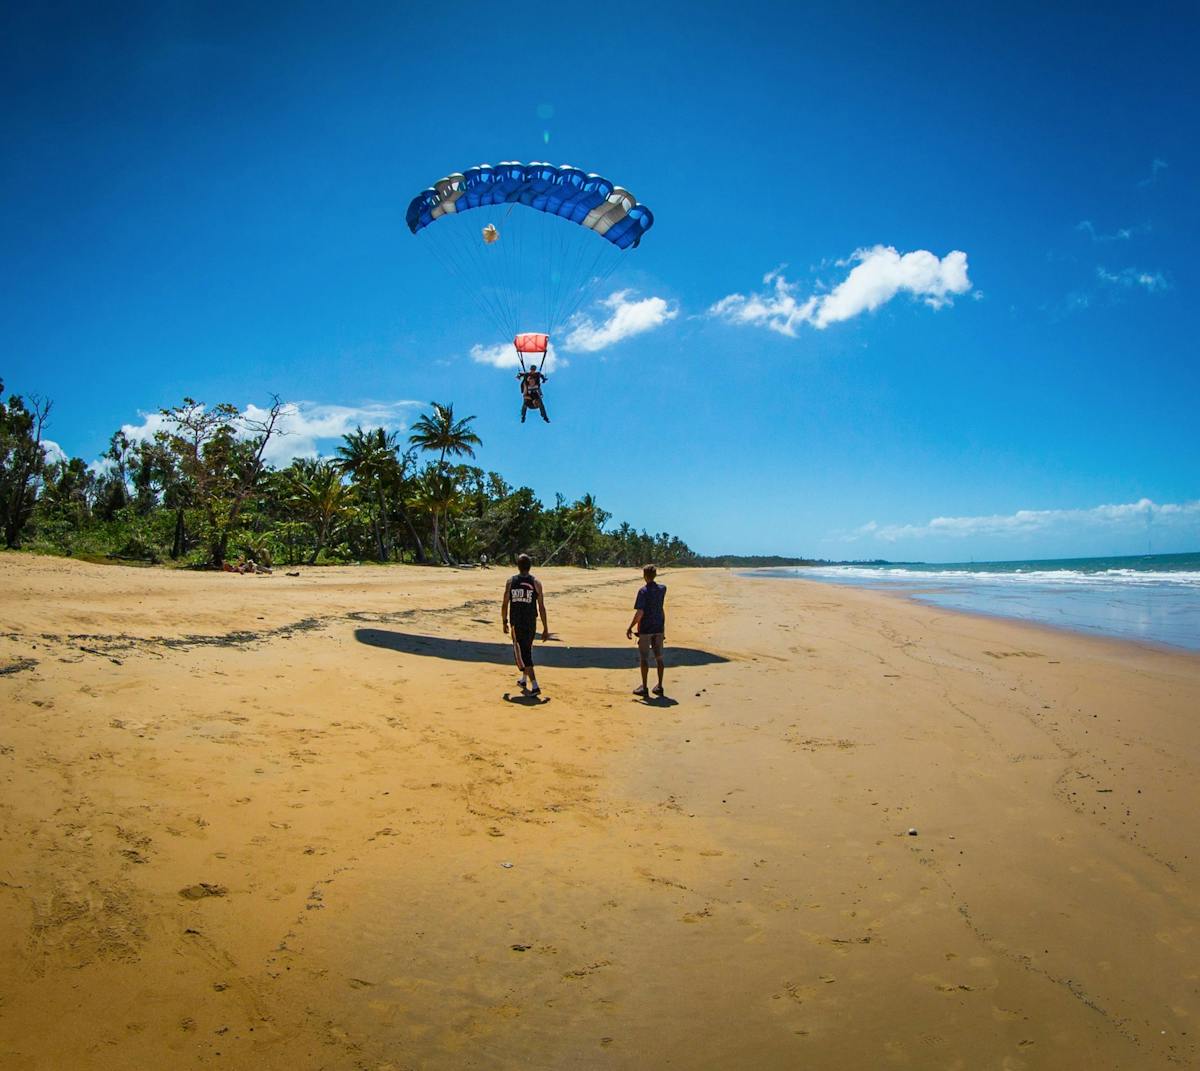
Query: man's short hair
pixel 649 571
pixel 524 561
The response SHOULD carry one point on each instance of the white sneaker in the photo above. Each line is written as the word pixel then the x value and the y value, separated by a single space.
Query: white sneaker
pixel 520 682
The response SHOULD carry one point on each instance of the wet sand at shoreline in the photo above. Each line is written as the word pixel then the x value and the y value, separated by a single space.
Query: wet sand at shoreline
pixel 310 822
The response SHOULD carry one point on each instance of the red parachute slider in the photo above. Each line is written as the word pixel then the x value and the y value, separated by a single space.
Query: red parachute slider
pixel 530 342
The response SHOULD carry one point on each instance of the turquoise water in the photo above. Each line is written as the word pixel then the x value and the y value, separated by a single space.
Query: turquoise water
pixel 1154 598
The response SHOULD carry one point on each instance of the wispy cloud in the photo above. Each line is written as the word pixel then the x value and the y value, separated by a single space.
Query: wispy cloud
pixel 306 429
pixel 880 274
pixel 1131 516
pixel 627 316
pixel 1157 166
pixel 778 309
pixel 1121 234
pixel 1130 278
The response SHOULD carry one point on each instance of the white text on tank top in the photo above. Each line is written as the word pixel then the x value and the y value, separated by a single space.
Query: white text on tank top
pixel 523 599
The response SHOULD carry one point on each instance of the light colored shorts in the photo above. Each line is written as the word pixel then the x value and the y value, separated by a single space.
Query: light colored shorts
pixel 650 641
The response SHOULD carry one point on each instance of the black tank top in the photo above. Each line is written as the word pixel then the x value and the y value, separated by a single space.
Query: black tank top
pixel 522 600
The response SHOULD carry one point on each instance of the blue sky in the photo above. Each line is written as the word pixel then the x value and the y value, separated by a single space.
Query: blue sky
pixel 201 200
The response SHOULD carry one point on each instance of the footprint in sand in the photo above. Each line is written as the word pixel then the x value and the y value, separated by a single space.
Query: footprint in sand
pixel 202 890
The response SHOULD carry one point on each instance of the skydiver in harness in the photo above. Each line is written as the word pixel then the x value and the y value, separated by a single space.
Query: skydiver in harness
pixel 531 392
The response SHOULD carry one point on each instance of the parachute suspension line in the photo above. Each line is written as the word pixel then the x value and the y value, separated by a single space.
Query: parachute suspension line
pixel 598 273
pixel 497 256
pixel 468 238
pixel 504 273
pixel 552 265
pixel 513 273
pixel 565 254
pixel 572 258
pixel 519 272
pixel 574 282
pixel 449 257
pixel 461 247
pixel 585 264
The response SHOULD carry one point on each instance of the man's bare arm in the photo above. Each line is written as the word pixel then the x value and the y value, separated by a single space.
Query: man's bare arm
pixel 541 598
pixel 504 608
pixel 637 620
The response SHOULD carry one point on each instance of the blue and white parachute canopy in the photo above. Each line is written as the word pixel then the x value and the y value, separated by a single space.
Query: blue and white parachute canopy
pixel 588 200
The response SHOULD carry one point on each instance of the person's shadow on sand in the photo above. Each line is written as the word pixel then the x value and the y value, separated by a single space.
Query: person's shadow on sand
pixel 656 700
pixel 526 700
pixel 554 657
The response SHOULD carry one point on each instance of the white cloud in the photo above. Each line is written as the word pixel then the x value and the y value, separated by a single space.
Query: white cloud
pixel 504 355
pixel 626 318
pixel 1121 234
pixel 1131 277
pixel 778 310
pixel 54 453
pixel 1130 516
pixel 1157 165
pixel 303 428
pixel 150 425
pixel 307 426
pixel 879 274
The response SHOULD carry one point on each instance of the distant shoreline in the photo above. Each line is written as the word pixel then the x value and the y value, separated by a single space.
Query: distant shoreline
pixel 1151 600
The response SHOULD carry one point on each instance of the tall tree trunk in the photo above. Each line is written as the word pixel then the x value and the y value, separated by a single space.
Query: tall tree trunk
pixel 382 528
pixel 415 538
pixel 322 535
pixel 177 542
pixel 437 540
pixel 380 551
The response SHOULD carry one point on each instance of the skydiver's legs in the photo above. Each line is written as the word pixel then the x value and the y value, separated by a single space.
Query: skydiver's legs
pixel 524 410
pixel 542 409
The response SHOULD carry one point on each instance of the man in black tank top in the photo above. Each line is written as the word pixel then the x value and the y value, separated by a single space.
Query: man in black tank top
pixel 523 601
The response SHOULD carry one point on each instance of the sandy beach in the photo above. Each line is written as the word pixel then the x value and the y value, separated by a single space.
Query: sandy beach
pixel 309 822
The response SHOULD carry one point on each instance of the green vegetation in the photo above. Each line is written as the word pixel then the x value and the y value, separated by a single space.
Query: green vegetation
pixel 201 493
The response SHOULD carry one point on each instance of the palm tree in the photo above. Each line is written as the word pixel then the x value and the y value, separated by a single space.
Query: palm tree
pixel 399 478
pixel 587 521
pixel 439 496
pixel 318 495
pixel 439 431
pixel 366 458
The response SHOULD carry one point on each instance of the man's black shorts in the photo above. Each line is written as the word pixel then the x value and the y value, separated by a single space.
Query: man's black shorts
pixel 522 636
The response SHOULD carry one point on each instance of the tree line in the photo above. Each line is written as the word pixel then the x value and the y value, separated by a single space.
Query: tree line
pixel 201 492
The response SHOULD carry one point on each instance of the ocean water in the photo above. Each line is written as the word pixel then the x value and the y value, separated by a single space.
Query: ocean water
pixel 1151 598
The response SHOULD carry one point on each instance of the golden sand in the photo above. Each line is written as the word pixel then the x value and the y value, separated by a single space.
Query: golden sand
pixel 307 822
